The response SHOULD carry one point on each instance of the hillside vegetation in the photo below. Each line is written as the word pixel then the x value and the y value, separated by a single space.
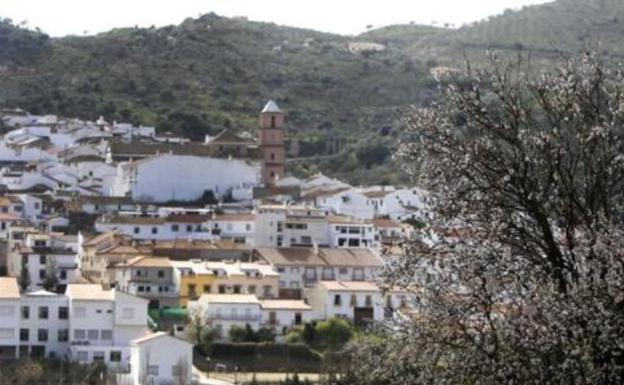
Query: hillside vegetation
pixel 211 73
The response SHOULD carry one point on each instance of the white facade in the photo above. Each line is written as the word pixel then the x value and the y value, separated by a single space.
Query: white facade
pixel 156 228
pixel 225 311
pixel 184 178
pixel 44 325
pixel 344 299
pixel 281 226
pixel 103 323
pixel 161 359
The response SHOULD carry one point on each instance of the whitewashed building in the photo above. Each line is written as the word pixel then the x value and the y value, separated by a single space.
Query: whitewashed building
pixel 169 177
pixel 161 359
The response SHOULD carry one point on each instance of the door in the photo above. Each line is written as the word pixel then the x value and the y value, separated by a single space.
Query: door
pixel 362 316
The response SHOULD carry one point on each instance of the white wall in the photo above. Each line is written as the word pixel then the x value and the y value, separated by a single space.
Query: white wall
pixel 176 177
pixel 150 353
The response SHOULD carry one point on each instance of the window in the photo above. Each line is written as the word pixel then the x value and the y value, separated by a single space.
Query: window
pixel 161 274
pixel 248 227
pixel 115 356
pixel 127 313
pixel 106 335
pixel 176 370
pixel 272 156
pixel 137 230
pixel 63 312
pixel 152 370
pixel 82 356
pixel 369 301
pixel 98 356
pixel 25 312
pixel 294 270
pixel 24 335
pixel 63 274
pixel 80 312
pixel 80 334
pixel 353 300
pixel 337 300
pixel 42 259
pixel 343 270
pixel 43 312
pixel 191 290
pixel 237 289
pixel 267 291
pixel 281 269
pixel 42 274
pixel 206 288
pixel 306 240
pixel 189 228
pixel 42 335
pixel 282 283
pixel 63 335
pixel 7 311
pixel 93 334
pixel 18 208
pixel 251 289
pixel 221 289
pixel 175 228
pixel 294 285
pixel 6 333
pixel 154 230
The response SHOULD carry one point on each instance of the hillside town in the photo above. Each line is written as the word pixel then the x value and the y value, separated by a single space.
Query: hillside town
pixel 107 228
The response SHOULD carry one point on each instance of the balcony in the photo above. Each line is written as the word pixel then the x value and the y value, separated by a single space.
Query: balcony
pixel 119 367
pixel 234 317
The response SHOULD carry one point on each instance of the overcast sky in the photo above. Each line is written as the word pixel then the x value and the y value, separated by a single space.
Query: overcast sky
pixel 62 17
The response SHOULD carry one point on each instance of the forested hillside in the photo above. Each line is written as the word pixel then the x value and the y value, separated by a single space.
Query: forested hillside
pixel 211 73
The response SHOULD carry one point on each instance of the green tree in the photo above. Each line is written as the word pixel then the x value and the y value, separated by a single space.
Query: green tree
pixel 24 279
pixel 309 333
pixel 237 333
pixel 51 280
pixel 334 332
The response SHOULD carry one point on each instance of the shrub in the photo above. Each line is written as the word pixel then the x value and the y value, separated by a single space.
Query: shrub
pixel 237 334
pixel 334 332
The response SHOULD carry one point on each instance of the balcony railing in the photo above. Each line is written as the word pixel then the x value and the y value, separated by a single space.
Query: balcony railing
pixel 233 317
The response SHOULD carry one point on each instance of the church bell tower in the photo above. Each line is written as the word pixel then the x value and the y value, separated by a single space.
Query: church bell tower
pixel 271 143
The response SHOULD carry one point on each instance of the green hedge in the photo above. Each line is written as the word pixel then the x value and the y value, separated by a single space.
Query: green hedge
pixel 257 357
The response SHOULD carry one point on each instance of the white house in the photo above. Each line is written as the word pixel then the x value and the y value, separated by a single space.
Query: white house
pixel 174 226
pixel 9 318
pixel 169 177
pixel 161 359
pixel 284 314
pixel 305 267
pixel 398 204
pixel 44 325
pixel 103 323
pixel 301 226
pixel 223 311
pixel 342 200
pixel 357 301
pixel 40 251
